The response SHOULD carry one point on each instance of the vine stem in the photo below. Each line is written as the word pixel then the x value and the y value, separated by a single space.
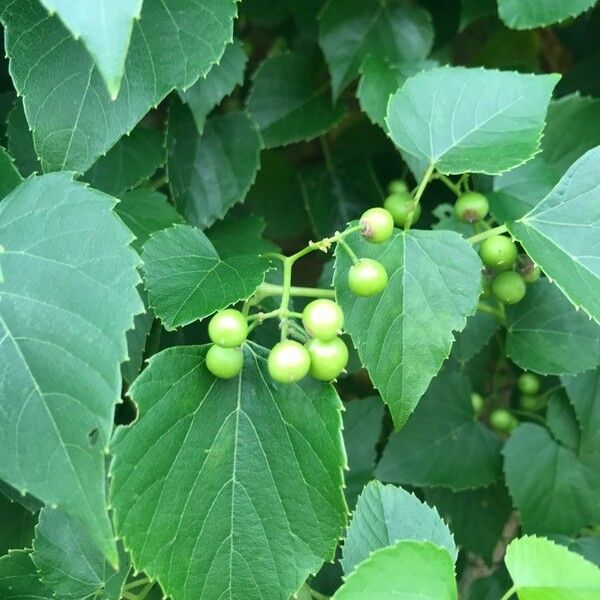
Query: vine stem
pixel 486 234
pixel 529 415
pixel 490 310
pixel 270 289
pixel 419 192
pixel 449 183
pixel 285 294
pixel 508 594
pixel 134 584
pixel 348 250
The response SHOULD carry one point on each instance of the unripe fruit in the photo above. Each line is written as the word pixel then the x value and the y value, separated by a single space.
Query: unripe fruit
pixel 228 328
pixel 529 271
pixel 477 402
pixel 397 186
pixel 498 252
pixel 323 319
pixel 224 363
pixel 508 287
pixel 288 362
pixel 530 403
pixel 471 207
pixel 400 205
pixel 529 383
pixel 327 359
pixel 367 277
pixel 377 225
pixel 502 420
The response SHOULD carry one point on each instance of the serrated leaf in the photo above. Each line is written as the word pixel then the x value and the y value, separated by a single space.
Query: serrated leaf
pixel 70 564
pixel 9 176
pixel 218 83
pixel 19 580
pixel 588 547
pixel 73 118
pixel 479 330
pixel 562 421
pixel 132 160
pixel 386 514
pixel 288 102
pixel 187 280
pixel 443 444
pixel 17 526
pixel 470 120
pixel 561 233
pixel 105 31
pixel 400 571
pixel 242 464
pixel 541 569
pixel 528 14
pixel 209 173
pixel 395 31
pixel 404 334
pixel 20 141
pixel 64 310
pixel 547 335
pixel 242 235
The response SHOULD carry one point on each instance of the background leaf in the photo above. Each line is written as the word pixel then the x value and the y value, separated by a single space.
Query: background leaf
pixel 19 580
pixel 527 14
pixel 9 176
pixel 17 526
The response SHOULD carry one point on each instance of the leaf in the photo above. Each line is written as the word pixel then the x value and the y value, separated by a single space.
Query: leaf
pixel 136 340
pixel 18 578
pixel 541 569
pixel 561 233
pixel 133 159
pixel 395 31
pixel 528 14
pixel 242 464
pixel 443 444
pixel 218 83
pixel 242 235
pixel 9 176
pixel 17 526
pixel 210 173
pixel 493 127
pixel 105 31
pixel 64 309
pixel 547 335
pixel 73 118
pixel 562 421
pixel 287 101
pixel 479 330
pixel 20 141
pixel 386 514
pixel 398 571
pixel 404 334
pixel 492 586
pixel 187 280
pixel 362 429
pixel 588 547
pixel 475 517
pixel 70 564
pixel 473 10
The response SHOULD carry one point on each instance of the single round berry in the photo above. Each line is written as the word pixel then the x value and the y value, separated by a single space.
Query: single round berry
pixel 498 252
pixel 471 207
pixel 530 403
pixel 224 363
pixel 377 225
pixel 323 319
pixel 397 186
pixel 508 287
pixel 477 402
pixel 367 277
pixel 502 420
pixel 529 384
pixel 288 361
pixel 327 359
pixel 228 328
pixel 400 205
pixel 529 271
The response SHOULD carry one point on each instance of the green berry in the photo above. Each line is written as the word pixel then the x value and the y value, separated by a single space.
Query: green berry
pixel 367 277
pixel 288 361
pixel 502 420
pixel 323 319
pixel 529 271
pixel 498 252
pixel 530 403
pixel 228 328
pixel 224 363
pixel 397 186
pixel 400 205
pixel 471 207
pixel 377 225
pixel 477 402
pixel 327 359
pixel 529 384
pixel 508 287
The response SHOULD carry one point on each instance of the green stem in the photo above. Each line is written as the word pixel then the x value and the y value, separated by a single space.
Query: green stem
pixel 270 289
pixel 449 183
pixel 274 256
pixel 348 250
pixel 285 293
pixel 317 595
pixel 419 192
pixel 327 154
pixel 529 415
pixel 486 234
pixel 490 310
pixel 134 584
pixel 508 594
pixel 464 182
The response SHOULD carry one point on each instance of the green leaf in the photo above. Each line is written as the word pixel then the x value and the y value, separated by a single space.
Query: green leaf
pixel 443 444
pixel 476 517
pixel 136 340
pixel 543 570
pixel 70 564
pixel 490 587
pixel 209 173
pixel 475 120
pixel 528 14
pixel 588 547
pixel 73 118
pixel 399 571
pixel 362 429
pixel 562 421
pixel 404 334
pixel 473 10
pixel 17 525
pixel 187 280
pixel 105 31
pixel 546 334
pixel 561 232
pixel 133 159
pixel 218 83
pixel 9 176
pixel 241 235
pixel 386 514
pixel 20 141
pixel 479 330
pixel 64 309
pixel 19 579
pixel 288 102
pixel 395 31
pixel 242 464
